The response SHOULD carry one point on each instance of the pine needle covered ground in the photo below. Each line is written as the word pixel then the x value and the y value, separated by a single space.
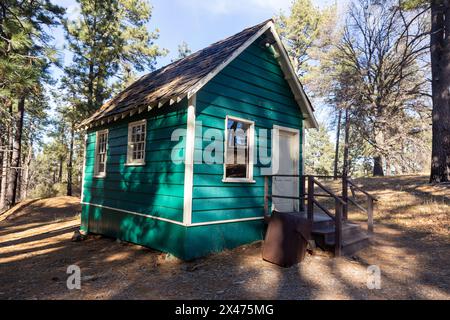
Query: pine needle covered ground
pixel 411 247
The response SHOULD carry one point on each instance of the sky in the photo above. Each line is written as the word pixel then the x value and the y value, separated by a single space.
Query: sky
pixel 197 22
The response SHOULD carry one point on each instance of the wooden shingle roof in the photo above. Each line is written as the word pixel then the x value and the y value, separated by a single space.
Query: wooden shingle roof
pixel 174 80
pixel 184 77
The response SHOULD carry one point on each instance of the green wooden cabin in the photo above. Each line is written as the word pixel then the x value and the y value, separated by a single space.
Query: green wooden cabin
pixel 146 179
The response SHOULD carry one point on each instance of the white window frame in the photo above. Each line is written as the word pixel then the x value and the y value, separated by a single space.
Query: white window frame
pixel 251 143
pixel 98 174
pixel 139 162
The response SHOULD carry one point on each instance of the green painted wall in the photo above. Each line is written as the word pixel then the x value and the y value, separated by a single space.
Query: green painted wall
pixel 157 234
pixel 251 87
pixel 157 188
pixel 184 242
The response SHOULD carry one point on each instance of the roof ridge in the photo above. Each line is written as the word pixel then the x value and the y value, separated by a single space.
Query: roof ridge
pixel 181 74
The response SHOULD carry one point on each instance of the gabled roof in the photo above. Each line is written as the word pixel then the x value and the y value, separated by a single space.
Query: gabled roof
pixel 185 77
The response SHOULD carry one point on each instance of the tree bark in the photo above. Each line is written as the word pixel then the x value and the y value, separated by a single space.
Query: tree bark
pixel 336 152
pixel 70 162
pixel 11 193
pixel 378 158
pixel 5 163
pixel 26 172
pixel 60 169
pixel 440 68
pixel 345 168
pixel 378 166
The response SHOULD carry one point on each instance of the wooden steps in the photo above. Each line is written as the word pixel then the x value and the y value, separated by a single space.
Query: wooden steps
pixel 354 238
pixel 331 229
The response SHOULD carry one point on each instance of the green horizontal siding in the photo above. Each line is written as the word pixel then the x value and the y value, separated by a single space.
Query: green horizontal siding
pixel 203 240
pixel 157 234
pixel 156 188
pixel 184 242
pixel 251 87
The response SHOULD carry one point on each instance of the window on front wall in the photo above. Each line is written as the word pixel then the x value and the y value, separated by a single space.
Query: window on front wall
pixel 136 143
pixel 238 150
pixel 101 149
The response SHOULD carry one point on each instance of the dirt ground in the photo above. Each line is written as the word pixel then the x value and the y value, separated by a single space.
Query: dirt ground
pixel 411 247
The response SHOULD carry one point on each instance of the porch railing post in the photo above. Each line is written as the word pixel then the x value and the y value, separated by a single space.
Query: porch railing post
pixel 310 198
pixel 338 228
pixel 302 193
pixel 345 197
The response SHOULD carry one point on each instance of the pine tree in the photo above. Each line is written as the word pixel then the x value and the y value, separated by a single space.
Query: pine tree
pixel 319 152
pixel 25 55
pixel 110 41
pixel 183 51
pixel 440 62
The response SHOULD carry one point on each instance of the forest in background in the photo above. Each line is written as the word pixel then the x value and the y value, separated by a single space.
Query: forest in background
pixel 380 73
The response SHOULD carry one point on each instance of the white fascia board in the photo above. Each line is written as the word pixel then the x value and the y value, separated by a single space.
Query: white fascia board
pixel 233 56
pixel 189 162
pixel 293 79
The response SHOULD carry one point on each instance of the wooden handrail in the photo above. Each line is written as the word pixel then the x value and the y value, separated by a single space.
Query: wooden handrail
pixel 338 229
pixel 317 203
pixel 301 197
pixel 299 176
pixel 341 203
pixel 357 205
pixel 361 190
pixel 370 202
pixel 329 192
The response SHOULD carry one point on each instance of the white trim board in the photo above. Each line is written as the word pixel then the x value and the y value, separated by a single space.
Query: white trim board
pixel 139 162
pixel 84 167
pixel 296 86
pixel 189 161
pixel 286 66
pixel 276 156
pixel 197 224
pixel 251 150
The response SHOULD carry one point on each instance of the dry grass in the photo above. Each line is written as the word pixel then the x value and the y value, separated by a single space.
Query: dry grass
pixel 411 246
pixel 405 202
pixel 410 202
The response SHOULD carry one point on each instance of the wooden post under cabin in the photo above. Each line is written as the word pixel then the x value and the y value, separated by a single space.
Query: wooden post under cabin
pixel 338 228
pixel 302 193
pixel 345 196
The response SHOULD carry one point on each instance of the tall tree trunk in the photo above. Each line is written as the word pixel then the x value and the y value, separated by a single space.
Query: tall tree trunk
pixel 378 158
pixel 378 166
pixel 346 169
pixel 11 192
pixel 70 162
pixel 26 171
pixel 388 166
pixel 60 169
pixel 336 152
pixel 440 68
pixel 5 162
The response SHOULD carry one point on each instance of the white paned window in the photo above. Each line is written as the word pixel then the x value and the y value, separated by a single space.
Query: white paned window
pixel 101 149
pixel 239 140
pixel 136 143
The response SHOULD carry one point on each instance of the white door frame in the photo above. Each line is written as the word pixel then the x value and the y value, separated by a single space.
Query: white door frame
pixel 275 157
